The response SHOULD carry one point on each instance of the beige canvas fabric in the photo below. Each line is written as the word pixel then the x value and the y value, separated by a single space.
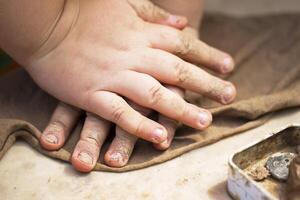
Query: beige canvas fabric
pixel 293 186
pixel 267 54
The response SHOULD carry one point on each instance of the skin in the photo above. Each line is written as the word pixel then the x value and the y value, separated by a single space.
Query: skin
pixel 191 9
pixel 122 145
pixel 85 62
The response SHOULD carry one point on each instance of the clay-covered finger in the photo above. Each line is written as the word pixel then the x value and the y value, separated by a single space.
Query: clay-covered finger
pixel 190 48
pixel 61 123
pixel 151 94
pixel 152 13
pixel 120 149
pixel 170 124
pixel 168 68
pixel 87 149
pixel 114 108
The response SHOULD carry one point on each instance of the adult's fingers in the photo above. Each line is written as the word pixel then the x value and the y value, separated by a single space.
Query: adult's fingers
pixel 151 94
pixel 114 108
pixel 120 149
pixel 190 48
pixel 61 123
pixel 87 149
pixel 122 145
pixel 170 69
pixel 170 124
pixel 152 13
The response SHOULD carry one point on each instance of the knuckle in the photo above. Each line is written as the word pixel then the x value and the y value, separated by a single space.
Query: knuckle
pixel 139 131
pixel 118 112
pixel 181 73
pixel 181 108
pixel 155 94
pixel 92 139
pixel 184 45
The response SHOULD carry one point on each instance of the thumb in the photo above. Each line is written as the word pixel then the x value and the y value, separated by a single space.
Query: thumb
pixel 152 13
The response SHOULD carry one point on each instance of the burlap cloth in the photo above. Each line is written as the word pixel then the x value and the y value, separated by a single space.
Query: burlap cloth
pixel 293 188
pixel 267 54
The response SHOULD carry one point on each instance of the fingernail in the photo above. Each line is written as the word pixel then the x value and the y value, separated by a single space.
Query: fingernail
pixel 228 95
pixel 173 19
pixel 51 139
pixel 159 135
pixel 116 157
pixel 85 158
pixel 164 144
pixel 204 119
pixel 227 65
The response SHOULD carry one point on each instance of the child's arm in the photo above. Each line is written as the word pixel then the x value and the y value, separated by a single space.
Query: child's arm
pixel 26 25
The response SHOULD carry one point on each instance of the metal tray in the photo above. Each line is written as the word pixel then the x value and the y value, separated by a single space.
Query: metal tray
pixel 241 185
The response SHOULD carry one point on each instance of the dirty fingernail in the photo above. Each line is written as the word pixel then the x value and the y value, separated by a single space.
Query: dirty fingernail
pixel 159 135
pixel 227 65
pixel 116 157
pixel 229 94
pixel 51 139
pixel 204 119
pixel 85 158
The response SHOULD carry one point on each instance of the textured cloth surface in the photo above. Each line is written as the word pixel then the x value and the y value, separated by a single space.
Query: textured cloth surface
pixel 266 50
pixel 294 180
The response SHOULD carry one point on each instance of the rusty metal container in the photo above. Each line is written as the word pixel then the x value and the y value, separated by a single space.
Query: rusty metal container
pixel 241 185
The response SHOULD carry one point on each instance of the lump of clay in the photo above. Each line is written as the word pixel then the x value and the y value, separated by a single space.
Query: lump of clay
pixel 278 165
pixel 259 173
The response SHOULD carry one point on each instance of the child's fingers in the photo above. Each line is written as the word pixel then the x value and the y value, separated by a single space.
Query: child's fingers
pixel 148 92
pixel 121 148
pixel 61 123
pixel 168 68
pixel 189 48
pixel 87 149
pixel 115 109
pixel 152 13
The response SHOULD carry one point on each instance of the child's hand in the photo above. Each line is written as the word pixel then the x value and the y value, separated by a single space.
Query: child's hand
pixel 111 53
pixel 95 131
